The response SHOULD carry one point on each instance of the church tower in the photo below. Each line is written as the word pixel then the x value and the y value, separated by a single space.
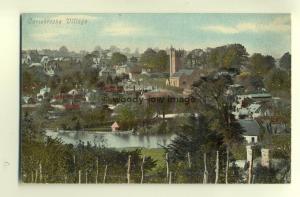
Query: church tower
pixel 172 61
pixel 175 61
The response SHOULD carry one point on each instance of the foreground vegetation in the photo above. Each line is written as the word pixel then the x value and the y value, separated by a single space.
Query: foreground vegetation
pixel 190 158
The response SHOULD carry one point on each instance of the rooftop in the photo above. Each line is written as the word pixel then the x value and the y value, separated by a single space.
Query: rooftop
pixel 183 72
pixel 251 127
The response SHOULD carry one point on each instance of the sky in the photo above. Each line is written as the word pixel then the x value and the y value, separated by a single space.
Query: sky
pixel 259 33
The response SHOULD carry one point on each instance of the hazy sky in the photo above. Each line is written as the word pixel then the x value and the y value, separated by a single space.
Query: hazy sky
pixel 263 33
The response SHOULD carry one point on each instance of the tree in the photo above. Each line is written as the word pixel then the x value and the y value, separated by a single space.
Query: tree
pixel 118 58
pixel 148 58
pixel 279 82
pixel 63 50
pixel 27 81
pixel 210 93
pixel 195 58
pixel 95 54
pixel 250 81
pixel 90 76
pixel 126 51
pixel 126 117
pixel 98 48
pixel 88 60
pixel 158 61
pixel 54 82
pixel 235 56
pixel 227 56
pixel 266 175
pixel 162 60
pixel 136 53
pixel 285 61
pixel 133 59
pixel 260 64
pixel 114 49
pixel 196 138
pixel 77 125
pixel 61 162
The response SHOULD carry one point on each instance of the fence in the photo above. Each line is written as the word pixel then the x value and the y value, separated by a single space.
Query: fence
pixel 104 175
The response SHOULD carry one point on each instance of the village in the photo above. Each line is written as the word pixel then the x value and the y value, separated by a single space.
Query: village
pixel 110 92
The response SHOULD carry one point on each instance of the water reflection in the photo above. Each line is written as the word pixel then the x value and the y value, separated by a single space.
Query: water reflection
pixel 112 140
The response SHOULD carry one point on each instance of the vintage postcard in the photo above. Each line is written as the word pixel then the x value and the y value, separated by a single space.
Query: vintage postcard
pixel 155 98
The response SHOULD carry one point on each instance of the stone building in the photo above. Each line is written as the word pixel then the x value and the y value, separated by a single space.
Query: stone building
pixel 179 76
pixel 176 61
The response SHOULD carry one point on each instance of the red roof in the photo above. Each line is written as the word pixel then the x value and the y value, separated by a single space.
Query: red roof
pixel 72 106
pixel 67 96
pixel 115 125
pixel 112 88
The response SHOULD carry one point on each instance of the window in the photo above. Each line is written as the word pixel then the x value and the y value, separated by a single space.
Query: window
pixel 252 139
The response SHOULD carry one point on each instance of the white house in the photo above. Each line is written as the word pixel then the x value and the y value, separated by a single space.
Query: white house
pixel 97 62
pixel 58 58
pixel 49 68
pixel 105 72
pixel 73 92
pixel 133 76
pixel 256 110
pixel 43 93
pixel 26 59
pixel 124 69
pixel 27 99
pixel 45 60
pixel 252 130
pixel 145 72
pixel 135 87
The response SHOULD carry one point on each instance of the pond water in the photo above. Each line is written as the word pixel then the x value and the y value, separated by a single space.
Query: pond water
pixel 112 140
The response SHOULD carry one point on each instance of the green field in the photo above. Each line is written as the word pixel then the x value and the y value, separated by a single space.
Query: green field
pixel 157 154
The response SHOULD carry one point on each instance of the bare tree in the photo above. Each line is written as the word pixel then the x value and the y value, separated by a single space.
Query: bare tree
pixel 250 160
pixel 205 175
pixel 142 169
pixel 104 175
pixel 41 174
pixel 36 176
pixel 128 169
pixel 66 178
pixel 227 165
pixel 97 171
pixel 86 177
pixel 189 159
pixel 167 165
pixel 79 176
pixel 217 168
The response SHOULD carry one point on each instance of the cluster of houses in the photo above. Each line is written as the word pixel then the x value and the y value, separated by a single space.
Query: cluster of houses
pixel 255 112
pixel 48 64
pixel 252 111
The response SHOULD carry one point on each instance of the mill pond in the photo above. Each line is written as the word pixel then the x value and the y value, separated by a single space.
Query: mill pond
pixel 112 140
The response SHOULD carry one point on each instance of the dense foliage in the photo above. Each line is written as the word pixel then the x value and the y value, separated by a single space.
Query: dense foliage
pixel 47 160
